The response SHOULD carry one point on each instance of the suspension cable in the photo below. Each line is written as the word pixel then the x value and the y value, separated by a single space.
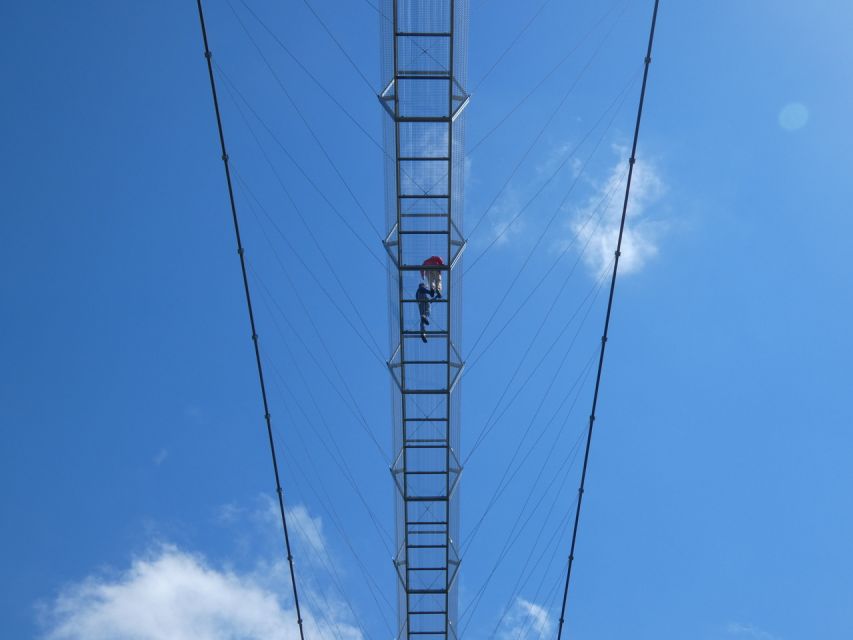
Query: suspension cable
pixel 618 253
pixel 240 252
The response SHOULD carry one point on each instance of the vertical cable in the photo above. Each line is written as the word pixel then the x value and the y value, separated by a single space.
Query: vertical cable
pixel 618 253
pixel 240 252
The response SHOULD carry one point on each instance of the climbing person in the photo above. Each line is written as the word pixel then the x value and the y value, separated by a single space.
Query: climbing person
pixel 423 297
pixel 433 276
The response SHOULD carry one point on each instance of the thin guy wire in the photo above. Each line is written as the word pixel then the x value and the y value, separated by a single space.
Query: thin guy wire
pixel 475 359
pixel 618 253
pixel 550 73
pixel 541 132
pixel 279 491
pixel 299 168
pixel 357 412
pixel 326 502
pixel 511 45
pixel 504 482
pixel 322 87
pixel 308 229
pixel 598 213
pixel 339 46
pixel 375 353
pixel 340 460
pixel 471 151
pixel 516 531
pixel 616 105
pixel 490 424
pixel 580 174
pixel 313 78
pixel 305 122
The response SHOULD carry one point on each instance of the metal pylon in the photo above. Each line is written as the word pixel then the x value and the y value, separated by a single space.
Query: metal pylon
pixel 423 101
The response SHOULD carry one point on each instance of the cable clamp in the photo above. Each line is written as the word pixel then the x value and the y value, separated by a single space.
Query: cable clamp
pixel 224 157
pixel 239 251
pixel 648 59
pixel 267 415
pixel 208 54
pixel 632 160
pixel 618 253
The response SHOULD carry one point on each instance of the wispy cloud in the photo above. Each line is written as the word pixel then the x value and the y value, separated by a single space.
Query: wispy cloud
pixel 749 631
pixel 503 217
pixel 176 595
pixel 596 222
pixel 306 528
pixel 526 621
pixel 160 458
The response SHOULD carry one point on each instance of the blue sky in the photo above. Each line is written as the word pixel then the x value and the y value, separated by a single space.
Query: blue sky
pixel 135 474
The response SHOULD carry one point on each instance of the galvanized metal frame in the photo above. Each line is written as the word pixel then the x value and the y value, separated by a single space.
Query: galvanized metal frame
pixel 425 543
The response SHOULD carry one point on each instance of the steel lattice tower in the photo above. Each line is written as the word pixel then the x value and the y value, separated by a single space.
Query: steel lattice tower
pixel 424 67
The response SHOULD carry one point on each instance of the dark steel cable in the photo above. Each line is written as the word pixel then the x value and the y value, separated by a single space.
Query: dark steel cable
pixel 617 254
pixel 240 252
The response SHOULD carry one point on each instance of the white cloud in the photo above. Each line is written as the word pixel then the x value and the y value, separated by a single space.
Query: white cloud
pixel 556 159
pixel 749 631
pixel 161 457
pixel 504 219
pixel 526 621
pixel 306 529
pixel 173 595
pixel 642 232
pixel 170 594
pixel 309 530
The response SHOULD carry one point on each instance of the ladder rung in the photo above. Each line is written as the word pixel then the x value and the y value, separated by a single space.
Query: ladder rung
pixel 423 34
pixel 426 546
